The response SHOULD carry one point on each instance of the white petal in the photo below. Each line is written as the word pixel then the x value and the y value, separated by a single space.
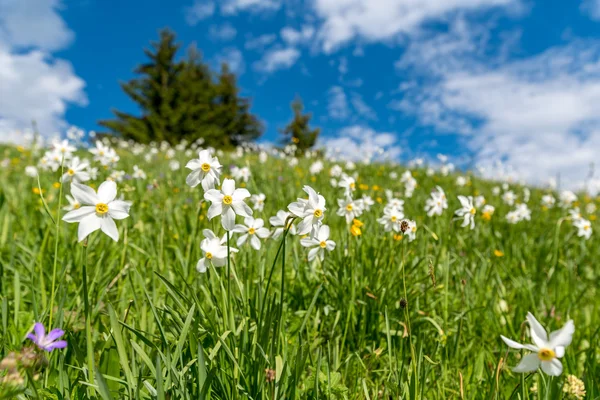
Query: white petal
pixel 240 194
pixel 193 179
pixel 255 242
pixel 228 187
pixel 228 219
pixel 79 214
pixel 201 266
pixel 110 228
pixel 242 209
pixel 242 239
pixel 239 228
pixel 214 210
pixel 563 336
pixel 193 164
pixel 537 332
pixel 84 194
pixel 312 254
pixel 89 224
pixel 323 234
pixel 552 368
pixel 107 191
pixel 214 196
pixel 118 209
pixel 529 363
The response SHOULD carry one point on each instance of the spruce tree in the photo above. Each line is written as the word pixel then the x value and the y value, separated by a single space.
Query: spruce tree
pixel 298 132
pixel 184 100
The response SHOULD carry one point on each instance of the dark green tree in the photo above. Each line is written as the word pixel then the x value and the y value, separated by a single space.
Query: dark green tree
pixel 298 131
pixel 183 99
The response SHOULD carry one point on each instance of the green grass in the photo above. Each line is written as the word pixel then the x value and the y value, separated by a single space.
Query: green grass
pixel 160 330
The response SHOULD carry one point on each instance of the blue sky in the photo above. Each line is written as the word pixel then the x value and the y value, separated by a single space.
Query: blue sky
pixel 481 80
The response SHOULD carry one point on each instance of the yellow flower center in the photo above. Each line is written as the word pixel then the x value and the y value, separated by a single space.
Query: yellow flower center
pixel 208 255
pixel 349 207
pixel 473 211
pixel 546 354
pixel 414 229
pixel 394 218
pixel 318 213
pixel 251 231
pixel 76 206
pixel 205 167
pixel 71 172
pixel 227 199
pixel 323 244
pixel 353 186
pixel 101 208
pixel 586 227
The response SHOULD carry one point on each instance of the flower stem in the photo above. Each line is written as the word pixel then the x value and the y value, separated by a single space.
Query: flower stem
pixel 86 309
pixel 57 222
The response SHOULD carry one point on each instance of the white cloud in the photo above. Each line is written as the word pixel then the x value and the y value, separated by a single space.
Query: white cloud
pixel 540 115
pixel 293 37
pixel 35 86
pixel 225 32
pixel 198 11
pixel 234 58
pixel 278 58
pixel 229 7
pixel 592 8
pixel 33 23
pixel 377 20
pixel 362 108
pixel 338 103
pixel 260 42
pixel 359 142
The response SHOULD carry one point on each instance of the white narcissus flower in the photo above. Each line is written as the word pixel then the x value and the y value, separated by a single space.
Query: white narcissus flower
pixel 138 173
pixel 347 183
pixel 437 203
pixel 76 171
pixel 467 212
pixel 73 204
pixel 278 222
pixel 392 217
pixel 349 209
pixel 311 210
pixel 97 210
pixel 258 201
pixel 584 228
pixel 205 169
pixel 228 202
pixel 411 231
pixel 214 250
pixel 254 230
pixel 546 349
pixel 319 243
pixel 31 171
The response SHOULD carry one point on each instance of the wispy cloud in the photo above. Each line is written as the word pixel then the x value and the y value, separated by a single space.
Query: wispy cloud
pixel 362 108
pixel 539 114
pixel 224 32
pixel 337 105
pixel 259 43
pixel 591 8
pixel 40 86
pixel 198 11
pixel 229 7
pixel 233 58
pixel 277 58
pixel 361 143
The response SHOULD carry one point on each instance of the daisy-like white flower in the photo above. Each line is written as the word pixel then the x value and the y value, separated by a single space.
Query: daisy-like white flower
pixel 316 167
pixel 437 203
pixel 548 201
pixel 349 209
pixel 214 250
pixel 31 171
pixel 347 183
pixel 205 169
pixel 242 174
pixel 411 229
pixel 63 148
pixel 567 198
pixel 228 202
pixel 98 210
pixel 252 229
pixel 366 202
pixel 73 204
pixel 138 173
pixel 391 219
pixel 47 342
pixel 319 243
pixel 258 201
pixel 584 228
pixel 461 181
pixel 278 222
pixel 546 349
pixel 479 201
pixel 509 197
pixel 467 211
pixel 311 210
pixel 487 212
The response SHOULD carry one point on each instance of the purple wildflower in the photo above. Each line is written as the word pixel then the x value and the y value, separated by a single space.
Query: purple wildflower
pixel 47 342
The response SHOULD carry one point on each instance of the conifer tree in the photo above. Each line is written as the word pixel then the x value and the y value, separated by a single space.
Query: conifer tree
pixel 184 100
pixel 298 132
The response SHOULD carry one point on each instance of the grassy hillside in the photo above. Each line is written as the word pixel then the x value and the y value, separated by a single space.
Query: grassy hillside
pixel 382 317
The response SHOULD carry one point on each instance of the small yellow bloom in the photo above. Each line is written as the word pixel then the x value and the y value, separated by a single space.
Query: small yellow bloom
pixel 56 185
pixel 362 186
pixel 313 178
pixel 175 190
pixel 356 222
pixel 37 190
pixel 486 216
pixel 376 187
pixel 379 200
pixel 398 237
pixel 243 184
pixel 355 230
pixel 498 253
